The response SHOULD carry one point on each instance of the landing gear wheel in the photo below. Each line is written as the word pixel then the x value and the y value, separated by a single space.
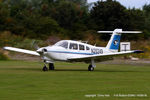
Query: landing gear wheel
pixel 51 66
pixel 45 68
pixel 90 68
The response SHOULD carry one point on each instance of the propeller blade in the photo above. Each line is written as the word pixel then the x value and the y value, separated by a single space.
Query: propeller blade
pixel 35 45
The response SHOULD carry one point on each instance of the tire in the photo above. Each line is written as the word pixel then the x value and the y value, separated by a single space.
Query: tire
pixel 90 68
pixel 51 66
pixel 45 68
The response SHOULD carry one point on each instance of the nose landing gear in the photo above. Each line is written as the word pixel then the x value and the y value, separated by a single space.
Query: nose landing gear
pixel 45 68
pixel 51 67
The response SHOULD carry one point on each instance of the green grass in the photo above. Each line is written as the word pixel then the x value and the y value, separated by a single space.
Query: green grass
pixel 20 80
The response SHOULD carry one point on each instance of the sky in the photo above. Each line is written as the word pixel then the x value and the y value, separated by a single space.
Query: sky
pixel 130 3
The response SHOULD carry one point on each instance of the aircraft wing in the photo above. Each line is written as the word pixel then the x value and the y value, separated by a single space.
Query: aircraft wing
pixel 104 55
pixel 22 51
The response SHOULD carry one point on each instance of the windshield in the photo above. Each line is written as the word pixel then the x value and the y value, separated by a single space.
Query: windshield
pixel 63 44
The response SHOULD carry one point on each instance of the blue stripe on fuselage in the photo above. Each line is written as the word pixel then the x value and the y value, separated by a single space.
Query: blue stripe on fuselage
pixel 72 52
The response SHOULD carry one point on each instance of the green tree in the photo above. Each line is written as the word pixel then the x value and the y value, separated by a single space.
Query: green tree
pixel 146 10
pixel 108 15
pixel 70 16
pixel 136 21
pixel 4 14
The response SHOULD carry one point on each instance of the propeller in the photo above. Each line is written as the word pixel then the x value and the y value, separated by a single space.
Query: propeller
pixel 35 45
pixel 39 50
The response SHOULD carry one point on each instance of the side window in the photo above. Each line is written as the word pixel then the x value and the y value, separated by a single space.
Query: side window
pixel 73 46
pixel 87 48
pixel 81 47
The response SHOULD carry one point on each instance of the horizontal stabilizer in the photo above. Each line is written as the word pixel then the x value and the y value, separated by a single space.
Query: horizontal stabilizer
pixel 22 51
pixel 120 32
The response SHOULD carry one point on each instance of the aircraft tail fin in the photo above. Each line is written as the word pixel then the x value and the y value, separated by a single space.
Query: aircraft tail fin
pixel 114 42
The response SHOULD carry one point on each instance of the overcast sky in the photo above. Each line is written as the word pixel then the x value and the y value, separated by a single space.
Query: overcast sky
pixel 130 3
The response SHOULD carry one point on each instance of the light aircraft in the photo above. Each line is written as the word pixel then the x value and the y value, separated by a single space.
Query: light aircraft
pixel 69 50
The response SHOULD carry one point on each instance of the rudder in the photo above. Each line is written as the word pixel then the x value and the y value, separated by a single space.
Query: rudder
pixel 114 41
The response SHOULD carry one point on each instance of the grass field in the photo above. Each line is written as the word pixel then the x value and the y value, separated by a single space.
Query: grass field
pixel 22 80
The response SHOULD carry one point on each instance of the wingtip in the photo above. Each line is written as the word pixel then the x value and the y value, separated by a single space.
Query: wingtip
pixel 4 48
pixel 138 51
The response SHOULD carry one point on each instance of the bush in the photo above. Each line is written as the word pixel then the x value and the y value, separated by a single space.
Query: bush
pixel 3 56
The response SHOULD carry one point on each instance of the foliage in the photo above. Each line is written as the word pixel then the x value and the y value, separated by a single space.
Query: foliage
pixel 9 39
pixel 110 14
pixel 71 19
pixel 107 13
pixel 3 56
pixel 146 10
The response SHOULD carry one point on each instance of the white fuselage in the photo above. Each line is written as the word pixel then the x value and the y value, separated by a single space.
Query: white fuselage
pixel 61 52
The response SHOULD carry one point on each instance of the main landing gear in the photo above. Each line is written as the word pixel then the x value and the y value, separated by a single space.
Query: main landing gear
pixel 92 65
pixel 51 67
pixel 90 68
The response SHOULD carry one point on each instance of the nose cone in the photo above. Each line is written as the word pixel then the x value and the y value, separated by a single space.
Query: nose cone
pixel 40 50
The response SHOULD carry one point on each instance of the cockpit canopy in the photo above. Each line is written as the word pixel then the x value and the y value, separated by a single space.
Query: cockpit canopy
pixel 63 44
pixel 72 45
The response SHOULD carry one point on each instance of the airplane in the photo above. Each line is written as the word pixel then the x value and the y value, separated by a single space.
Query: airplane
pixel 75 51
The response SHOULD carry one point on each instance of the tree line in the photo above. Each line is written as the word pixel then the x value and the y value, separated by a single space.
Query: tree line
pixel 71 19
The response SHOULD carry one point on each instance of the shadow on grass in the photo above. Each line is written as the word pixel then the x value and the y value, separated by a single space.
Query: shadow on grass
pixel 69 70
pixel 97 70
